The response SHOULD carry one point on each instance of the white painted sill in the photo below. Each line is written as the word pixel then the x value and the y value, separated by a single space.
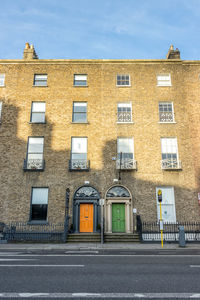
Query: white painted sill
pixel 125 122
pixel 167 122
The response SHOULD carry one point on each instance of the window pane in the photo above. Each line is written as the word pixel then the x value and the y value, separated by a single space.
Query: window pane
pixel 2 79
pixel 79 145
pixel 41 77
pixel 80 107
pixel 38 107
pixel 39 212
pixel 125 145
pixel 39 195
pixel 35 145
pixel 80 77
pixel 79 117
pixel 38 117
pixel 0 110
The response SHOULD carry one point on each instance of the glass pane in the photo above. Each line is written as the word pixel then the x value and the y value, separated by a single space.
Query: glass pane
pixel 125 145
pixel 39 195
pixel 79 156
pixel 38 107
pixel 79 117
pixel 41 77
pixel 79 145
pixel 80 77
pixel 35 145
pixel 86 192
pixel 80 82
pixel 38 117
pixel 80 107
pixel 40 83
pixel 35 156
pixel 39 212
pixel 118 191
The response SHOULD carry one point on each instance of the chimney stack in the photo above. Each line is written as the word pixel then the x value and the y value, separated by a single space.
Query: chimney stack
pixel 29 52
pixel 173 54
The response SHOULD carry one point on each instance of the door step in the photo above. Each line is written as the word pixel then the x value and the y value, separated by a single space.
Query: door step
pixel 121 238
pixel 84 238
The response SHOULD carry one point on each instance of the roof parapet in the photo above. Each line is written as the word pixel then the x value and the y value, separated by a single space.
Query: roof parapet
pixel 173 54
pixel 29 52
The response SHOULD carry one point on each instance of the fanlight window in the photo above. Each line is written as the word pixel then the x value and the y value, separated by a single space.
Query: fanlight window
pixel 118 191
pixel 86 192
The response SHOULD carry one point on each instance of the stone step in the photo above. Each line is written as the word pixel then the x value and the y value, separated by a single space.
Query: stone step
pixel 84 238
pixel 121 238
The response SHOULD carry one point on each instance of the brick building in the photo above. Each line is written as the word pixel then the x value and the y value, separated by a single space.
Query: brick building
pixel 89 129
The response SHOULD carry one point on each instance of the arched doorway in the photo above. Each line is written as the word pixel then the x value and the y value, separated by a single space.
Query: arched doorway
pixel 118 210
pixel 86 209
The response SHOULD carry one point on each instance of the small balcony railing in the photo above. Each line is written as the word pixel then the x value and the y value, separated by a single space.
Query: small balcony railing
pixel 124 117
pixel 126 164
pixel 34 165
pixel 171 164
pixel 166 116
pixel 79 165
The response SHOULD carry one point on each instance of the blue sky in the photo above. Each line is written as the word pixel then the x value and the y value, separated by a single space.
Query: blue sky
pixel 110 29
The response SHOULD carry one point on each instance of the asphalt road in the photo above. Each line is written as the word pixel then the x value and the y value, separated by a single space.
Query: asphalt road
pixel 92 274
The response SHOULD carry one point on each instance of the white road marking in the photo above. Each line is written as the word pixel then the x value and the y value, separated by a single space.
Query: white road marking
pixel 109 255
pixel 195 266
pixel 15 259
pixel 102 295
pixel 81 266
pixel 9 253
pixel 71 252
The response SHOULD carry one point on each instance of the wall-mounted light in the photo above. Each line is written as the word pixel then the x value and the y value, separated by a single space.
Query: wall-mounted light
pixel 87 182
pixel 115 180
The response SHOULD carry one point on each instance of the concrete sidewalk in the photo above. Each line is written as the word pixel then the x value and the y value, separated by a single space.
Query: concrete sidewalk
pixel 94 246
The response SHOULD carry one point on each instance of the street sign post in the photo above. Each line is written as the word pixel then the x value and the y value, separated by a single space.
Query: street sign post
pixel 159 194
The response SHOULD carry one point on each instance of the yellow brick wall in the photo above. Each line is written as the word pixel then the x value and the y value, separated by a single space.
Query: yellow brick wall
pixel 102 130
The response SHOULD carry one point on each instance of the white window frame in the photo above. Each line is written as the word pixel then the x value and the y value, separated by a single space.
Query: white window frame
pixel 123 85
pixel 81 113
pixel 125 160
pixel 124 104
pixel 1 104
pixel 34 201
pixel 170 163
pixel 79 157
pixel 40 80
pixel 166 202
pixel 2 79
pixel 78 78
pixel 167 103
pixel 164 79
pixel 35 163
pixel 33 111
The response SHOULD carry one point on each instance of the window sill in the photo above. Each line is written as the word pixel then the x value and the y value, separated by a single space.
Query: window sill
pixel 125 122
pixel 38 86
pixel 122 86
pixel 37 123
pixel 2 86
pixel 80 86
pixel 167 85
pixel 38 222
pixel 80 123
pixel 166 122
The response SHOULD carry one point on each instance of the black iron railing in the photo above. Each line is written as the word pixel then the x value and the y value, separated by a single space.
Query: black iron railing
pixel 34 165
pixel 20 231
pixel 79 165
pixel 150 231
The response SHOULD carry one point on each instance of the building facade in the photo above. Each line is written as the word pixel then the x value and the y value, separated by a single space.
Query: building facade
pixel 86 130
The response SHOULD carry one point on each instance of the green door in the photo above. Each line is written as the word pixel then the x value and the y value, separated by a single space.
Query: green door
pixel 118 217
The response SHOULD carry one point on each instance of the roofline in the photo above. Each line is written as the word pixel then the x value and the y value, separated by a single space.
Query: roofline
pixel 97 61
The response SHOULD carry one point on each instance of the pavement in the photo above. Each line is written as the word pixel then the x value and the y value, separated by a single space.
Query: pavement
pixel 92 246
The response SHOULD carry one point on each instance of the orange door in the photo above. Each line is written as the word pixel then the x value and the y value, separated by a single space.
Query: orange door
pixel 86 217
